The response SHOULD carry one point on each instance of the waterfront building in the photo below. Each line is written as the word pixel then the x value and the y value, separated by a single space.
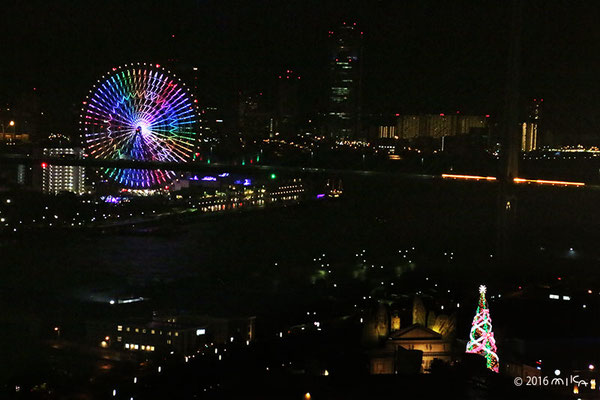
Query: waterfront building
pixel 63 178
pixel 291 190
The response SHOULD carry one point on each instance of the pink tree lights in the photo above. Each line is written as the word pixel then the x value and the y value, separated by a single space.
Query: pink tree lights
pixel 481 338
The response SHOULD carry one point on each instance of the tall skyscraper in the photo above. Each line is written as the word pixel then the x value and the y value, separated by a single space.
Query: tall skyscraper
pixel 254 118
pixel 287 103
pixel 343 115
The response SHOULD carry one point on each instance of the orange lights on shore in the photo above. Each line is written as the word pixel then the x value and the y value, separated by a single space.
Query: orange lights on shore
pixel 547 182
pixel 516 180
pixel 470 177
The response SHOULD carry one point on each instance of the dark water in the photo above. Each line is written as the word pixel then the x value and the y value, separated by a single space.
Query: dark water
pixel 222 252
pixel 225 264
pixel 235 246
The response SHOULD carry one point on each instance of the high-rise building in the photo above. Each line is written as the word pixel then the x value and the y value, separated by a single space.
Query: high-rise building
pixel 254 119
pixel 528 136
pixel 529 128
pixel 287 103
pixel 211 123
pixel 343 114
pixel 63 178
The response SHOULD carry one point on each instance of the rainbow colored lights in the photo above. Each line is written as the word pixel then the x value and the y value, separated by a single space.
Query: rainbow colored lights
pixel 481 338
pixel 139 112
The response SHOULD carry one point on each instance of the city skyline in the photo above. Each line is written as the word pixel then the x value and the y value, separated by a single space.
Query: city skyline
pixel 422 58
pixel 287 200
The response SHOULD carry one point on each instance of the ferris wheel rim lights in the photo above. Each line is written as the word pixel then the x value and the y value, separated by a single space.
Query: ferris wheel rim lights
pixel 140 112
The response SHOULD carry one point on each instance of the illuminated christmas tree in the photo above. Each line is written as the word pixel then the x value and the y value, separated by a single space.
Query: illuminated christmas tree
pixel 481 339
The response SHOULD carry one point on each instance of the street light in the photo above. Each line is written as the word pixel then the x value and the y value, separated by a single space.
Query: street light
pixel 11 124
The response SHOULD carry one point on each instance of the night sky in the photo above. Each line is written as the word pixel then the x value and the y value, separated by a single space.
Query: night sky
pixel 419 56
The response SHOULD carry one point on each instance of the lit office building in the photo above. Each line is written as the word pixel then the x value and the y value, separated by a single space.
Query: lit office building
pixel 438 126
pixel 343 115
pixel 182 334
pixel 529 129
pixel 528 136
pixel 159 336
pixel 387 132
pixel 409 126
pixel 63 178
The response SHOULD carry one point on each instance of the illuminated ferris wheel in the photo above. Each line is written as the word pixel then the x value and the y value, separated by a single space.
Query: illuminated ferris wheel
pixel 139 112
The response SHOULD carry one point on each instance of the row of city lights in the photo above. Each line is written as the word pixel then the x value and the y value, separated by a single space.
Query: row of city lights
pixel 516 180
